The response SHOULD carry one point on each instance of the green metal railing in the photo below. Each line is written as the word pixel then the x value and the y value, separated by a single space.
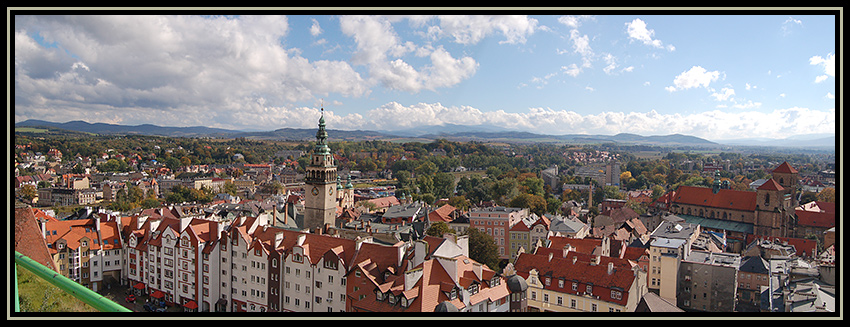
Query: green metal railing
pixel 92 298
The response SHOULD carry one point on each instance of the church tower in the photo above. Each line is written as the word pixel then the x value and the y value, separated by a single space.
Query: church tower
pixel 320 184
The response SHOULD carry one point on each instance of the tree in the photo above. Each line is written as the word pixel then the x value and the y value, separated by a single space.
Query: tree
pixel 444 185
pixel 438 229
pixel 459 202
pixel 827 195
pixel 808 197
pixel 28 192
pixel 535 203
pixel 483 249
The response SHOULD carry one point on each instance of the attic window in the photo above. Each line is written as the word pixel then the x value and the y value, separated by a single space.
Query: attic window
pixel 453 294
pixel 379 295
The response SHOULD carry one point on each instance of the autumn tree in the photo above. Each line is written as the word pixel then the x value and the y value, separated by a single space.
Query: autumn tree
pixel 827 195
pixel 438 229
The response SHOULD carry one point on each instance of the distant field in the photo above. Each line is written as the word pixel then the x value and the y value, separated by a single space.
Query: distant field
pixel 30 130
pixel 652 155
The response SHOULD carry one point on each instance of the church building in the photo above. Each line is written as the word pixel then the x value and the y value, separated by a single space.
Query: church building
pixel 769 210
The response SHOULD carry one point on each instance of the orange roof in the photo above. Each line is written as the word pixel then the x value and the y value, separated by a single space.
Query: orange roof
pixel 385 201
pixel 442 214
pixel 785 168
pixel 724 198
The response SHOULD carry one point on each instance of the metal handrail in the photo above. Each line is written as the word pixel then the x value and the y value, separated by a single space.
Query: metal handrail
pixel 92 298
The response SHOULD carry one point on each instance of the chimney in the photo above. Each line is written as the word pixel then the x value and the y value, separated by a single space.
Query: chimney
pixel 550 256
pixel 574 259
pixel 610 268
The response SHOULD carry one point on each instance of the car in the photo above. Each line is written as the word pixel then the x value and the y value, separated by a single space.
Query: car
pixel 130 298
pixel 149 307
pixel 160 309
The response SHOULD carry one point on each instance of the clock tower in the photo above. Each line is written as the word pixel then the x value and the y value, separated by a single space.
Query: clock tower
pixel 320 184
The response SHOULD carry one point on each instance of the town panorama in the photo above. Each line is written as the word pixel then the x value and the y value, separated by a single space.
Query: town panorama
pixel 325 228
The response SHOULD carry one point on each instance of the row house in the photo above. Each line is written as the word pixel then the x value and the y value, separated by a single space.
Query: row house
pixel 62 196
pixel 578 282
pixel 88 251
pixel 497 222
pixel 707 281
pixel 669 243
pixel 438 276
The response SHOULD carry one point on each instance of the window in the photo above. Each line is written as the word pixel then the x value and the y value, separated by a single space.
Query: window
pixel 572 303
pixel 617 295
pixel 589 289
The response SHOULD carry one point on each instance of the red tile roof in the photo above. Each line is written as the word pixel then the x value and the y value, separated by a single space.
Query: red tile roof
pixel 724 198
pixel 442 214
pixel 581 271
pixel 580 245
pixel 28 238
pixel 815 219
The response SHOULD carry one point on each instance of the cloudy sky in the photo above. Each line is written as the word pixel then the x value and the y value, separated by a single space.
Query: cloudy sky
pixel 712 76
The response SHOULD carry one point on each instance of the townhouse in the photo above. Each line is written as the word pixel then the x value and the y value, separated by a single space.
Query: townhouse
pixel 568 281
pixel 439 277
pixel 496 222
pixel 88 251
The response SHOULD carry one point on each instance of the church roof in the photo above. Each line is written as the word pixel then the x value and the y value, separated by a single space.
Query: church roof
pixel 785 168
pixel 771 185
pixel 724 198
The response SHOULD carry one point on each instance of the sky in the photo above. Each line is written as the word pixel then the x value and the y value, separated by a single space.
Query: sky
pixel 717 76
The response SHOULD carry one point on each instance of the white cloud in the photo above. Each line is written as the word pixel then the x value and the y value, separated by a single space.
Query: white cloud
pixel 168 65
pixel 574 21
pixel 637 30
pixel 571 70
pixel 694 77
pixel 828 65
pixel 711 125
pixel 724 94
pixel 315 29
pixel 377 43
pixel 829 95
pixel 788 25
pixel 472 29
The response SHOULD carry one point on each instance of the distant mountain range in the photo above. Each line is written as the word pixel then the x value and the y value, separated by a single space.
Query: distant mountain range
pixel 448 131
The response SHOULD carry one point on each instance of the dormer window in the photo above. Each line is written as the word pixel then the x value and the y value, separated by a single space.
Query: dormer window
pixel 379 295
pixel 453 294
pixel 473 288
pixel 392 298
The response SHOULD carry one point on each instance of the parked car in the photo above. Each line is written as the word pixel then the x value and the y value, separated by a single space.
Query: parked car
pixel 161 309
pixel 130 298
pixel 149 307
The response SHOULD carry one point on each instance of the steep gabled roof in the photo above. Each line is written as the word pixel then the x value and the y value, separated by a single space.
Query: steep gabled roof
pixel 785 168
pixel 771 185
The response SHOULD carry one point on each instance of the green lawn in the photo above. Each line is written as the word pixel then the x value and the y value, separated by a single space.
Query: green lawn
pixel 38 295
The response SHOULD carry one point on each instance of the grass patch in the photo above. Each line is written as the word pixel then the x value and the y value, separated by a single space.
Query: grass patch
pixel 38 295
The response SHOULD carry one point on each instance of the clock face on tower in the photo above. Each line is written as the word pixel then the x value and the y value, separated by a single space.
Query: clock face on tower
pixel 315 191
pixel 330 191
